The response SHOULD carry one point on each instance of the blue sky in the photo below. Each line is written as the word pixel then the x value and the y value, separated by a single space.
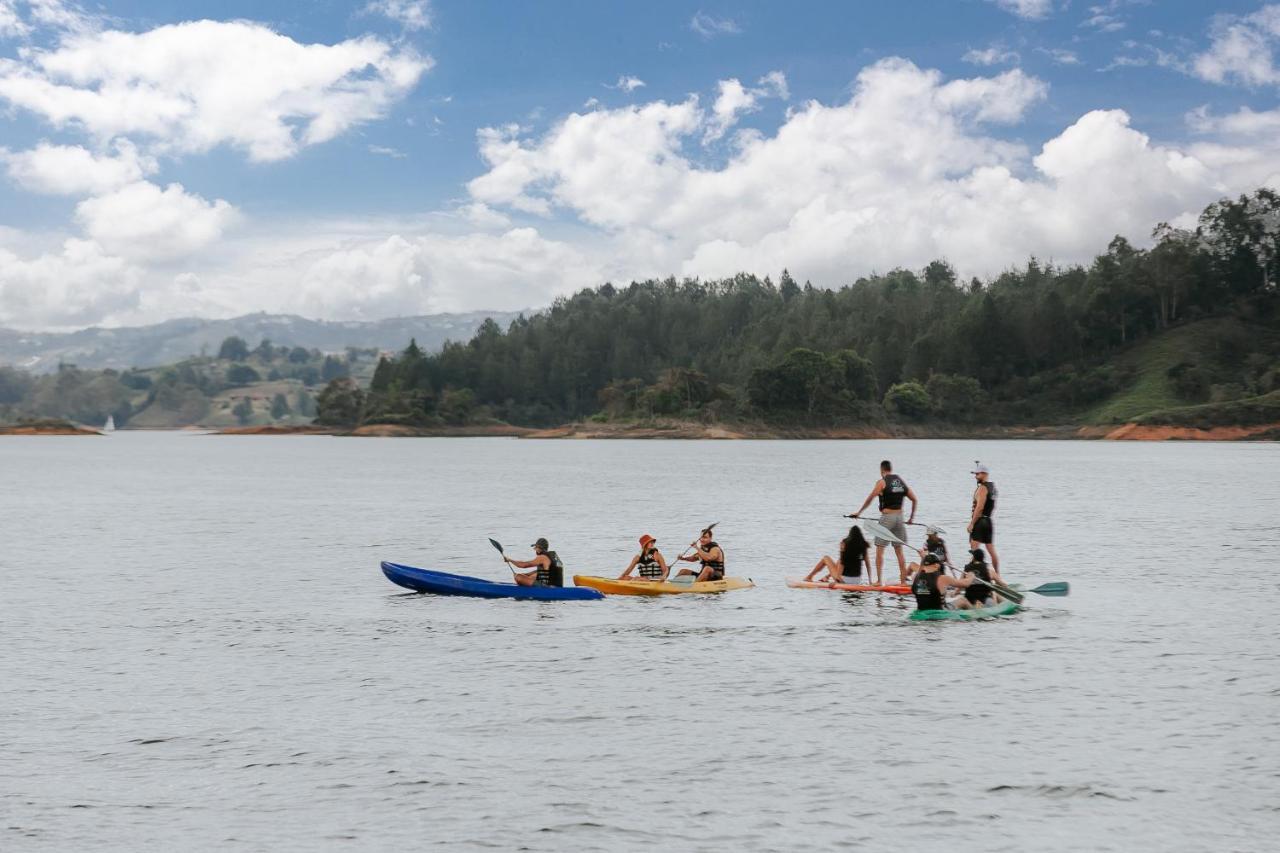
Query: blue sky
pixel 495 154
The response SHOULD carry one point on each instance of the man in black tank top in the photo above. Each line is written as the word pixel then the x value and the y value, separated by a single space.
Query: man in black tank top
pixel 982 529
pixel 890 491
pixel 650 563
pixel 711 555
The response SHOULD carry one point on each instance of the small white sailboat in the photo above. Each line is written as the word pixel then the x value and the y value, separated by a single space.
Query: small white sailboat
pixel 110 425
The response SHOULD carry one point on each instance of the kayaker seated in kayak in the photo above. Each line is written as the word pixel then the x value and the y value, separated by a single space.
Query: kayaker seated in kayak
pixel 933 544
pixel 853 557
pixel 929 584
pixel 649 563
pixel 710 555
pixel 979 595
pixel 546 565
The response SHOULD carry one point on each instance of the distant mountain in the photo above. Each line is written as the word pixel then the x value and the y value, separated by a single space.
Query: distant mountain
pixel 174 340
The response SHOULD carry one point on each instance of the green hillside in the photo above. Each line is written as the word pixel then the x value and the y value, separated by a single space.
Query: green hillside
pixel 1231 356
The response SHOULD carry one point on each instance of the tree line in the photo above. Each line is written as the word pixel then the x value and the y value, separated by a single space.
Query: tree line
pixel 1032 342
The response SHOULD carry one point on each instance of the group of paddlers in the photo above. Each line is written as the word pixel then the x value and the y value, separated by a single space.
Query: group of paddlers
pixel 927 576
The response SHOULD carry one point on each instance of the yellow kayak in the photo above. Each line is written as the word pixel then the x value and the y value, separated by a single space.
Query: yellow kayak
pixel 613 586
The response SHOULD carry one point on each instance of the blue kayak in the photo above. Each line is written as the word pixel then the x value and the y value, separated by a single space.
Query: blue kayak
pixel 443 583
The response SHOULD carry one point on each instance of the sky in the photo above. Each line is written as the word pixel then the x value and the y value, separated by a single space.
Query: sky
pixel 380 158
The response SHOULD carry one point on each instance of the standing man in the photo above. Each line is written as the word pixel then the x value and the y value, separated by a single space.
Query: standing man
pixel 890 490
pixel 981 529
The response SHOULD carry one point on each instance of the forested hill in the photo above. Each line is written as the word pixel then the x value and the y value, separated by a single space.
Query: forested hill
pixel 1039 344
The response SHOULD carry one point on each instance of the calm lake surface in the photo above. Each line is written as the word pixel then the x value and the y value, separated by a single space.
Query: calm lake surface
pixel 200 652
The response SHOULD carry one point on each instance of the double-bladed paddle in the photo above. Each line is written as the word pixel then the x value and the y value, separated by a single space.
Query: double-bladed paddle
pixel 498 545
pixel 692 544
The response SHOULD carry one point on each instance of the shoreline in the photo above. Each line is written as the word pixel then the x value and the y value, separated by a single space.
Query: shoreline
pixel 685 431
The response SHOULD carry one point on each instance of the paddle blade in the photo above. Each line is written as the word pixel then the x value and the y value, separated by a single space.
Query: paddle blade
pixel 498 545
pixel 881 532
pixel 1057 589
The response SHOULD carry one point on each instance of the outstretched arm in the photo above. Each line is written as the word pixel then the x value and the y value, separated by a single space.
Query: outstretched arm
pixel 879 487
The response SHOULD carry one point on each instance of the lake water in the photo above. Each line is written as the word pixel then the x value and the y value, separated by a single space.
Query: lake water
pixel 200 652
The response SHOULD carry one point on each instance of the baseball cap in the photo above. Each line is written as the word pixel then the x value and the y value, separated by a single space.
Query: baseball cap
pixel 979 468
pixel 541 543
pixel 931 559
pixel 978 554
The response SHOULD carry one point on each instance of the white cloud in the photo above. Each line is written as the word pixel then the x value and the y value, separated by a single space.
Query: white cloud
pixel 384 151
pixel 11 23
pixel 735 100
pixel 1060 56
pixel 709 26
pixel 626 83
pixel 77 286
pixel 402 276
pixel 1242 49
pixel 1031 10
pixel 988 56
pixel 901 174
pixel 193 86
pixel 74 170
pixel 143 221
pixel 410 14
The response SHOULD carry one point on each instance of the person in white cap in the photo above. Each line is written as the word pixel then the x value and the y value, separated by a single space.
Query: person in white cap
pixel 982 530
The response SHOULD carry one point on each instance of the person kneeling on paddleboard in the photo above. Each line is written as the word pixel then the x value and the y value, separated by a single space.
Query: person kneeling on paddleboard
pixel 649 563
pixel 979 595
pixel 546 565
pixel 930 584
pixel 853 556
pixel 710 555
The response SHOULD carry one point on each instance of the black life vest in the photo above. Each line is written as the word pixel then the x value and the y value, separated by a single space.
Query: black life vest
pixel 925 589
pixel 552 575
pixel 893 493
pixel 648 565
pixel 716 566
pixel 989 506
pixel 978 592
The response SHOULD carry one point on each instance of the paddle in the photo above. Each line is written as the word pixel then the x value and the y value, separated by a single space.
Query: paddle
pixel 881 532
pixel 693 577
pixel 498 545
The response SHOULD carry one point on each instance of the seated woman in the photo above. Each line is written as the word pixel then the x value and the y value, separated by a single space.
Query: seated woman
pixel 935 545
pixel 853 557
pixel 980 595
pixel 650 563
pixel 546 565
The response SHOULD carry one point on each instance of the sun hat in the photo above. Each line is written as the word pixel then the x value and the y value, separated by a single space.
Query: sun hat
pixel 646 540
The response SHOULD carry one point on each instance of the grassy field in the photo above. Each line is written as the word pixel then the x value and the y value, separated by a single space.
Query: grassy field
pixel 1151 389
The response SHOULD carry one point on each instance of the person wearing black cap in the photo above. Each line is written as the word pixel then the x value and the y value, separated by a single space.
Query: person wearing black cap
pixel 710 554
pixel 929 584
pixel 982 529
pixel 979 595
pixel 546 565
pixel 651 564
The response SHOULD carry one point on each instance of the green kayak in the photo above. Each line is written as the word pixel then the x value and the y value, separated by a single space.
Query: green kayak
pixel 1004 608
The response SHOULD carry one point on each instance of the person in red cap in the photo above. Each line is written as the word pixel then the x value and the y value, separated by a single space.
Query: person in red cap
pixel 650 563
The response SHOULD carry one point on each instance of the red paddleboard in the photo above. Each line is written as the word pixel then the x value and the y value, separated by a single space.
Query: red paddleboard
pixel 894 589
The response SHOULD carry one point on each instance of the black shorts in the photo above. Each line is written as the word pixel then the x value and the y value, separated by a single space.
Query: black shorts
pixel 983 531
